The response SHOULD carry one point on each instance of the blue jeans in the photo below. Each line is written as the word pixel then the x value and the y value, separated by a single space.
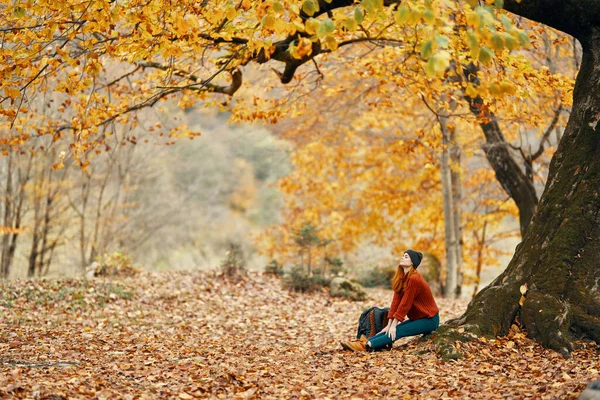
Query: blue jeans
pixel 406 328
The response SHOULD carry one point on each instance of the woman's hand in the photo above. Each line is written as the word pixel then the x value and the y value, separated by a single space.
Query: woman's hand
pixel 386 329
pixel 392 329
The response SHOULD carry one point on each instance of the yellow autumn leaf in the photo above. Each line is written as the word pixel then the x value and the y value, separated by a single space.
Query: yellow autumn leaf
pixel 438 63
pixel 231 13
pixel 495 89
pixel 12 92
pixel 471 91
pixel 311 26
pixel 268 21
pixel 474 20
pixel 415 17
pixel 508 88
pixel 523 288
pixel 310 7
pixel 304 47
pixel 509 41
pixel 331 43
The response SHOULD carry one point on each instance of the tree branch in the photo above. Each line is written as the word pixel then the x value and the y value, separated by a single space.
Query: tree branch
pixel 204 84
pixel 540 150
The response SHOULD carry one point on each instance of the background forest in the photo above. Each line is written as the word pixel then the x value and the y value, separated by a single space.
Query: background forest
pixel 162 206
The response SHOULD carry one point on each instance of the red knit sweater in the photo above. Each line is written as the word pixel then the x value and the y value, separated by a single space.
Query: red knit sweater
pixel 415 301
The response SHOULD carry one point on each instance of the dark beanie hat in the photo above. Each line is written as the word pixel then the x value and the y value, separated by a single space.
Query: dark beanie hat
pixel 415 257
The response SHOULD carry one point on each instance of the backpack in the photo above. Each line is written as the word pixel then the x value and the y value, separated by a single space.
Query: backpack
pixel 372 321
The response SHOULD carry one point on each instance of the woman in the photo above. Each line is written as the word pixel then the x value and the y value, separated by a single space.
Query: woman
pixel 412 299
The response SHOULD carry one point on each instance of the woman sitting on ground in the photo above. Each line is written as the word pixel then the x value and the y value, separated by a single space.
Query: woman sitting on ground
pixel 412 299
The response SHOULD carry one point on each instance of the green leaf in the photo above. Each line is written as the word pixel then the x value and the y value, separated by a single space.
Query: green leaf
pixel 325 28
pixel 359 15
pixel 523 39
pixel 350 24
pixel 329 25
pixel 310 7
pixel 509 41
pixel 19 12
pixel 427 49
pixel 368 5
pixel 499 4
pixel 428 16
pixel 497 42
pixel 506 22
pixel 472 40
pixel 442 41
pixel 402 15
pixel 485 56
pixel 486 15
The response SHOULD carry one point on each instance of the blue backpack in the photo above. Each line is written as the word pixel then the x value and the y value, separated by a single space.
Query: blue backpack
pixel 372 321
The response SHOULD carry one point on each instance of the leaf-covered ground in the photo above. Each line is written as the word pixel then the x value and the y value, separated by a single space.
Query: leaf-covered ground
pixel 189 334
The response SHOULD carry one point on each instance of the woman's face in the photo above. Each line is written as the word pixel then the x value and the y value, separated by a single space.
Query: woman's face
pixel 405 261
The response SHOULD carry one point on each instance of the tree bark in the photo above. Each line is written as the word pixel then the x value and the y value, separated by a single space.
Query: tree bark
pixel 449 228
pixel 8 219
pixel 480 246
pixel 456 210
pixel 39 187
pixel 559 256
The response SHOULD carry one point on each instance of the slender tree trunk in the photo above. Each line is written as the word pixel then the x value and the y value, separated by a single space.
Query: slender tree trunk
pixel 8 220
pixel 456 210
pixel 18 212
pixel 35 229
pixel 46 225
pixel 449 229
pixel 98 218
pixel 309 261
pixel 85 194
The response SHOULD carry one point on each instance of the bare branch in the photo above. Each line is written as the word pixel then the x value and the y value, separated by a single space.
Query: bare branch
pixel 120 78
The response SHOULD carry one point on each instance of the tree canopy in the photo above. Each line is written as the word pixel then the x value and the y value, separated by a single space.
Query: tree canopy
pixel 72 69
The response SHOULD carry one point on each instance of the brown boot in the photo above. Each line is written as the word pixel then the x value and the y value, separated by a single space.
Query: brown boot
pixel 355 345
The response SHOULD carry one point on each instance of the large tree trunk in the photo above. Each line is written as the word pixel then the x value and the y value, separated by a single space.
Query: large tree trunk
pixel 559 257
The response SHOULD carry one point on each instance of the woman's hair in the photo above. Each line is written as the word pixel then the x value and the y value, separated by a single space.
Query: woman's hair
pixel 400 279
